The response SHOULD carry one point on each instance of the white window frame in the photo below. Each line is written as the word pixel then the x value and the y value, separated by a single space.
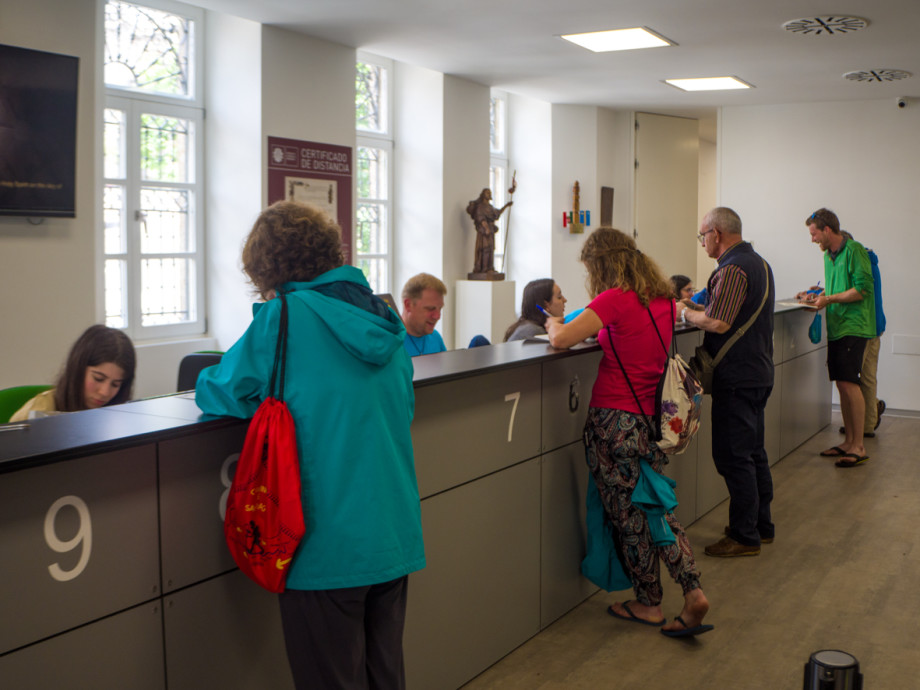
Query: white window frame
pixel 191 107
pixel 498 167
pixel 380 140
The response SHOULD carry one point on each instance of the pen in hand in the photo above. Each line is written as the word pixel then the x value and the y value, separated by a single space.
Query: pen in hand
pixel 549 317
pixel 812 294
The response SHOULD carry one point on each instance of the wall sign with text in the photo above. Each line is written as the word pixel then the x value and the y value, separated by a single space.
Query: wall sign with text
pixel 313 173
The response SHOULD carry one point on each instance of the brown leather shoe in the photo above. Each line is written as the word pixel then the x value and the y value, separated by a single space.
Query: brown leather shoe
pixel 763 540
pixel 727 547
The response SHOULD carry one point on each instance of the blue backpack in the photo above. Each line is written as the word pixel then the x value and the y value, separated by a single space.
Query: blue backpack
pixel 880 321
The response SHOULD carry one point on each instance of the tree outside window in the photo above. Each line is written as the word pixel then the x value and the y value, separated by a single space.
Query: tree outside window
pixel 373 237
pixel 499 180
pixel 152 153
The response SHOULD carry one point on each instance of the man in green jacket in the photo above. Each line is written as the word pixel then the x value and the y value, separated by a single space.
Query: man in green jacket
pixel 849 299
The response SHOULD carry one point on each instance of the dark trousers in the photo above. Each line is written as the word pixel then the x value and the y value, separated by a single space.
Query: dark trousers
pixel 739 455
pixel 348 639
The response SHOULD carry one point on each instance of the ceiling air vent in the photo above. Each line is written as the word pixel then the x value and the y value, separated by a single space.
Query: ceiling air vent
pixel 877 75
pixel 826 26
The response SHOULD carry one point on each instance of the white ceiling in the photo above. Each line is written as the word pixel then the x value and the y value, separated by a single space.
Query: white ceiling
pixel 514 45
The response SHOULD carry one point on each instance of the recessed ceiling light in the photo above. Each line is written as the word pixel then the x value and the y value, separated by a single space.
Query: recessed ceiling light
pixel 826 26
pixel 618 39
pixel 708 84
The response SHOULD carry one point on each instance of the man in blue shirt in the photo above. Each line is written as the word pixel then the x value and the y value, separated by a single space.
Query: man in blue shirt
pixel 423 300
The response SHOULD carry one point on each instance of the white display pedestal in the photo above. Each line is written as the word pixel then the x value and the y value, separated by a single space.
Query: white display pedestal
pixel 484 307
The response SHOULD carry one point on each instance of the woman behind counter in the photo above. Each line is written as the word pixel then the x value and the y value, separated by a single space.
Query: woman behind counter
pixel 684 292
pixel 99 371
pixel 537 293
pixel 628 290
pixel 349 389
pixel 682 287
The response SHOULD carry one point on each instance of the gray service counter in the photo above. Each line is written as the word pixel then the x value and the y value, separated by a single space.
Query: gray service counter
pixel 114 566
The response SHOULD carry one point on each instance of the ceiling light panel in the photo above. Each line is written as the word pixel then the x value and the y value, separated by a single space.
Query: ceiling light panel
pixel 618 39
pixel 708 84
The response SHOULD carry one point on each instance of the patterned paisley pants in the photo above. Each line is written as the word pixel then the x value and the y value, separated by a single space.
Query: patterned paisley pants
pixel 615 443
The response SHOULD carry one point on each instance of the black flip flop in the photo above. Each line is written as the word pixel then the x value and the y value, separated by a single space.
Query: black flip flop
pixel 633 618
pixel 851 460
pixel 688 631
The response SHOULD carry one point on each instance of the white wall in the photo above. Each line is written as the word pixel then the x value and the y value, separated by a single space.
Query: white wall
pixel 441 143
pixel 418 194
pixel 48 272
pixel 466 169
pixel 615 164
pixel 158 364
pixel 551 147
pixel 263 82
pixel 862 160
pixel 308 88
pixel 574 145
pixel 235 165
pixel 708 195
pixel 530 230
pixel 466 174
pixel 594 146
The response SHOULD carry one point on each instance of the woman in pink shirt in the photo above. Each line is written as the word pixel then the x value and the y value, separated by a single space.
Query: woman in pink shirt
pixel 630 298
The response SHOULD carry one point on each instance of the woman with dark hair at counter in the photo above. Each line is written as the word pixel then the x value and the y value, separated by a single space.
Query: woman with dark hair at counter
pixel 682 287
pixel 348 386
pixel 630 298
pixel 99 371
pixel 685 293
pixel 542 294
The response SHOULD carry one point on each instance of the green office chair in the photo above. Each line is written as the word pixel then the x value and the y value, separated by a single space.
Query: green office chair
pixel 11 399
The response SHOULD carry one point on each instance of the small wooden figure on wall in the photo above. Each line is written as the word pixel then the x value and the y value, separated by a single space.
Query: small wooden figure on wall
pixel 576 219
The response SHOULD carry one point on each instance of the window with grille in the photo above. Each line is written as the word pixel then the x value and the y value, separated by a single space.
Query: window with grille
pixel 373 115
pixel 499 180
pixel 153 262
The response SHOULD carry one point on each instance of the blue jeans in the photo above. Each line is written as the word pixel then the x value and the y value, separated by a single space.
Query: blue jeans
pixel 739 456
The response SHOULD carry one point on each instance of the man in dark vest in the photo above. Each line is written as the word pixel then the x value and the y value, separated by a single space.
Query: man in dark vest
pixel 742 381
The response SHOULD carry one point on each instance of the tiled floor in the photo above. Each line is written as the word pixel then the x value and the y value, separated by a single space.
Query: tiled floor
pixel 843 573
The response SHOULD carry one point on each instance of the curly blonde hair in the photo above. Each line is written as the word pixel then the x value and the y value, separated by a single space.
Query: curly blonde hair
pixel 290 242
pixel 613 260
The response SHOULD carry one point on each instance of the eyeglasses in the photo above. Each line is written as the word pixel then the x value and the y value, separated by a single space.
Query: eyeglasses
pixel 702 236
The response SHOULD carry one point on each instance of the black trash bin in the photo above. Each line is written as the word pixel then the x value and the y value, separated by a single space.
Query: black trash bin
pixel 831 669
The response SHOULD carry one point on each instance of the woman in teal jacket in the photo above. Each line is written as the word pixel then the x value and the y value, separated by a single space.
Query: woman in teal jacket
pixel 349 389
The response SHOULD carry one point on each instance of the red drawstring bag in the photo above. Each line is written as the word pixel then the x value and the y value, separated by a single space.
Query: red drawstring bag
pixel 264 522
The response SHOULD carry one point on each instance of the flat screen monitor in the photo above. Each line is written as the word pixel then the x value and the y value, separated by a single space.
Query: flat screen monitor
pixel 38 132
